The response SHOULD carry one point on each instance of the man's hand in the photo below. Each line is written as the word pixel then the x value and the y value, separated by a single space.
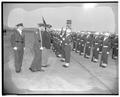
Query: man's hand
pixel 97 49
pixel 41 48
pixel 15 48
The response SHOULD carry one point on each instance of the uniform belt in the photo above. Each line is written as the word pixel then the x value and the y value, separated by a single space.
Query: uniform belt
pixel 105 46
pixel 67 43
pixel 96 43
pixel 88 42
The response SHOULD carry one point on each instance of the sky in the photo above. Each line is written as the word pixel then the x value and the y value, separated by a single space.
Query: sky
pixel 99 18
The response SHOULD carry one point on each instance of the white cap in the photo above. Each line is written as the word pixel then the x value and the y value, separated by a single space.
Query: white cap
pixel 107 34
pixel 88 32
pixel 97 33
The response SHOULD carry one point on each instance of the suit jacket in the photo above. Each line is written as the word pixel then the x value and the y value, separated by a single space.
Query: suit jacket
pixel 18 40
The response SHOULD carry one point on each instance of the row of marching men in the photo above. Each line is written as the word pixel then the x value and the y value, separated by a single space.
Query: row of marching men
pixel 85 43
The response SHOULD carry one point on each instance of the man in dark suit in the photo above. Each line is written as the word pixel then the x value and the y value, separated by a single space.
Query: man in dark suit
pixel 18 45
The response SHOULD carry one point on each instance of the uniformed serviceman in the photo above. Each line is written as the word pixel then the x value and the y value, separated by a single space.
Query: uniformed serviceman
pixel 105 50
pixel 96 44
pixel 88 46
pixel 74 41
pixel 18 45
pixel 101 37
pixel 67 47
pixel 78 42
pixel 115 47
pixel 82 43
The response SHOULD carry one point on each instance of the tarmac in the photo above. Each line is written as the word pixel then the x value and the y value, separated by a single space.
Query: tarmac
pixel 82 77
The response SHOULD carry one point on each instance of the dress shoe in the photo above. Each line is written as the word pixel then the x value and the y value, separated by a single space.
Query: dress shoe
pixel 45 65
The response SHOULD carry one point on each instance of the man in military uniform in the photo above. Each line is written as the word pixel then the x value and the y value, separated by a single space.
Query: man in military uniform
pixel 82 43
pixel 88 45
pixel 101 37
pixel 115 47
pixel 96 44
pixel 18 45
pixel 74 41
pixel 67 47
pixel 105 50
pixel 78 42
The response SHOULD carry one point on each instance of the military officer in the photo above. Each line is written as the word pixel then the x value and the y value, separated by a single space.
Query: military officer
pixel 96 44
pixel 105 50
pixel 18 45
pixel 88 45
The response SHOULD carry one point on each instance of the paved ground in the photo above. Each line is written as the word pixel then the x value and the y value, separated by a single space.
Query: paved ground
pixel 83 76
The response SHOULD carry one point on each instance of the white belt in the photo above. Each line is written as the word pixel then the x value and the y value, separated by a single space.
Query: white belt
pixel 96 43
pixel 105 46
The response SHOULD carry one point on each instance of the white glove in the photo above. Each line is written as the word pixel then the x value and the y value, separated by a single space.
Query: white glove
pixel 15 48
pixel 41 48
pixel 24 48
pixel 97 49
pixel 107 52
pixel 63 38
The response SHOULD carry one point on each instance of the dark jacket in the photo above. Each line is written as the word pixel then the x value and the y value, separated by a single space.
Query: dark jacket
pixel 46 40
pixel 17 40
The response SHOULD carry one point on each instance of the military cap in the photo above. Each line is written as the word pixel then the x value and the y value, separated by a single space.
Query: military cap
pixel 20 24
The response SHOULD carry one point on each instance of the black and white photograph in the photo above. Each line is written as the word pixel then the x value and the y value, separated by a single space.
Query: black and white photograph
pixel 60 48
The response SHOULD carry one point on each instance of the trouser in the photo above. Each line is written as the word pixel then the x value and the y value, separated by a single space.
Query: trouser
pixel 95 52
pixel 100 47
pixel 67 51
pixel 45 55
pixel 78 46
pixel 87 50
pixel 74 44
pixel 104 56
pixel 37 61
pixel 18 58
pixel 82 48
pixel 114 52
